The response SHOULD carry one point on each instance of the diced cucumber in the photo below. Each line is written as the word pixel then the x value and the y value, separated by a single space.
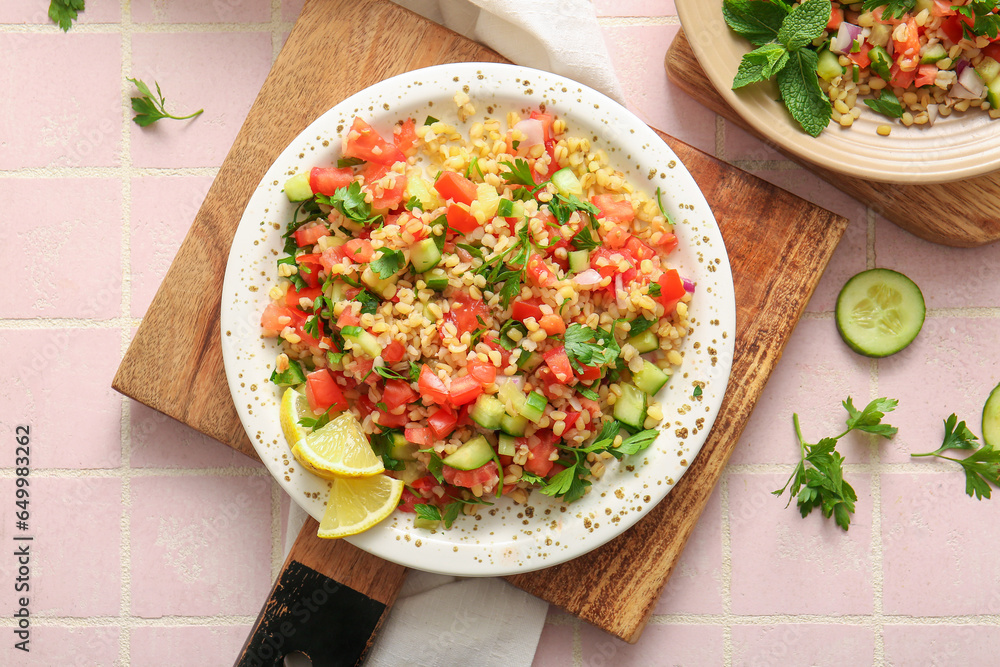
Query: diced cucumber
pixel 363 341
pixel 566 182
pixel 487 412
pixel 630 408
pixel 988 69
pixel 436 279
pixel 507 445
pixel 881 60
pixel 645 341
pixel 534 406
pixel 650 378
pixel 473 454
pixel 509 393
pixel 375 283
pixel 828 67
pixel 934 53
pixel 337 291
pixel 429 313
pixel 402 449
pixel 991 419
pixel 290 377
pixel 424 255
pixel 579 261
pixel 510 209
pixel 297 187
pixel 426 524
pixel 528 362
pixel 993 93
pixel 513 425
pixel 879 312
pixel 417 187
pixel 880 35
pixel 922 5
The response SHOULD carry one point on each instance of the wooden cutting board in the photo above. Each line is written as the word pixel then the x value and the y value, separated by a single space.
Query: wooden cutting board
pixel 963 214
pixel 778 246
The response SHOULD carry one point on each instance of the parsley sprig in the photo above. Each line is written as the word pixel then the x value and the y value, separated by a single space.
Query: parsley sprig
pixel 64 12
pixel 508 267
pixel 590 347
pixel 818 480
pixel 149 110
pixel 982 467
pixel 893 8
pixel 350 201
pixel 450 513
pixel 985 22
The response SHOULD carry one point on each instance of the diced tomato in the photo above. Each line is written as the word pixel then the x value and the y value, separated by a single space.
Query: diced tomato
pixel 292 296
pixel 671 289
pixel 425 483
pixel 365 143
pixel 639 249
pixel 943 8
pixel 992 50
pixel 907 52
pixel 546 119
pixel 442 422
pixel 953 28
pixel 861 58
pixel 463 313
pixel 926 75
pixel 522 310
pixel 358 251
pixel 606 262
pixel 432 387
pixel 397 393
pixel 451 185
pixel 408 500
pixel 327 180
pixel 901 78
pixel 393 352
pixel 465 415
pixel 546 382
pixel 668 242
pixel 309 236
pixel 309 268
pixel 483 371
pixel 465 389
pixel 540 273
pixel 553 324
pixel 488 475
pixel 557 360
pixel 617 237
pixel 836 18
pixel 590 373
pixel 322 391
pixel 362 369
pixel 274 317
pixel 390 420
pixel 538 457
pixel 419 436
pixel 348 318
pixel 391 196
pixel 556 469
pixel 404 135
pixel 615 211
pixel 460 218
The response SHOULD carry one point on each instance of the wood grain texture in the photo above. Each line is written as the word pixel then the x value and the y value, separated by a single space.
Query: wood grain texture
pixel 177 369
pixel 615 587
pixel 964 214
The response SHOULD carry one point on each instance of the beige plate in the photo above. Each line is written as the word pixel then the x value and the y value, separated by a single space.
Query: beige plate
pixel 957 147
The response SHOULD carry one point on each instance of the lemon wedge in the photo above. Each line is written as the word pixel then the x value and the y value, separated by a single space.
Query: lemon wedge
pixel 294 407
pixel 339 448
pixel 355 505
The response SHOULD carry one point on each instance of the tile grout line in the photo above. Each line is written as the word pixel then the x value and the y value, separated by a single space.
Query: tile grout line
pixel 727 570
pixel 577 642
pixel 720 137
pixel 877 558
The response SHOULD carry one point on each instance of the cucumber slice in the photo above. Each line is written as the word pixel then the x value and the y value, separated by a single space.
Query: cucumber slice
pixel 630 408
pixel 993 93
pixel 509 393
pixel 507 445
pixel 534 406
pixel 515 426
pixel 429 314
pixel 363 341
pixel 991 419
pixel 297 187
pixel 424 255
pixel 402 449
pixel 426 524
pixel 881 32
pixel 528 362
pixel 374 282
pixel 828 67
pixel 436 279
pixel 290 377
pixel 645 341
pixel 988 69
pixel 650 378
pixel 934 53
pixel 579 261
pixel 473 454
pixel 879 312
pixel 881 60
pixel 566 182
pixel 487 412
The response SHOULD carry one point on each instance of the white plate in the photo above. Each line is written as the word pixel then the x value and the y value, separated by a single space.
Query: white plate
pixel 959 146
pixel 545 532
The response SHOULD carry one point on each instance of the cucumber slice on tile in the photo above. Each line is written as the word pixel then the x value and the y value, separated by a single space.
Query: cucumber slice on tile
pixel 630 408
pixel 991 419
pixel 879 312
pixel 473 454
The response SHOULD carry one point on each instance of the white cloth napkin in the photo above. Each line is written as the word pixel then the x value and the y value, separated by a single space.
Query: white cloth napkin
pixel 438 620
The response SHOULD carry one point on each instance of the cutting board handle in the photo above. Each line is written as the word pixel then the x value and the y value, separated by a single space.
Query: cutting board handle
pixel 328 603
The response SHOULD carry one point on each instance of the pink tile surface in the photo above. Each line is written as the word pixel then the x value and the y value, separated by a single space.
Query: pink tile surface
pixel 75 556
pixel 940 644
pixel 948 277
pixel 555 647
pixel 290 9
pixel 769 436
pixel 77 273
pixel 199 11
pixel 670 644
pixel 695 587
pixel 187 645
pixel 159 441
pixel 158 229
pixel 72 120
pixel 187 533
pixel 218 72
pixel 637 55
pixel 803 644
pixel 939 546
pixel 62 392
pixel 777 555
pixel 958 354
pixel 32 12
pixel 68 647
pixel 635 7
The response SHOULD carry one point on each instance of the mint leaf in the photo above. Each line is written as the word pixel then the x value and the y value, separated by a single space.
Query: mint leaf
pixel 755 20
pixel 804 24
pixel 800 90
pixel 760 65
pixel 886 104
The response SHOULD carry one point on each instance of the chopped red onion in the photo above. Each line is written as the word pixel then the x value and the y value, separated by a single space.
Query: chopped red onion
pixel 960 66
pixel 688 285
pixel 619 291
pixel 971 81
pixel 845 38
pixel 932 114
pixel 516 380
pixel 533 130
pixel 587 278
